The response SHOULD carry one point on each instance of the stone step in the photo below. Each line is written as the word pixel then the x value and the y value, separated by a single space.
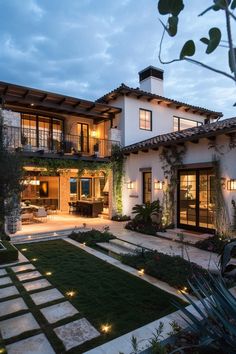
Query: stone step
pixel 125 245
pixel 113 248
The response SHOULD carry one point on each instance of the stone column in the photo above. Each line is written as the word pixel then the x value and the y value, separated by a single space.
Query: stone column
pixel 64 194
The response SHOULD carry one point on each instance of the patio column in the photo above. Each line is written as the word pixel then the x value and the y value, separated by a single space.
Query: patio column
pixel 64 196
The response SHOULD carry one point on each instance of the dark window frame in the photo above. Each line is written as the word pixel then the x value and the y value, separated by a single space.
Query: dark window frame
pixel 182 118
pixel 37 120
pixel 146 110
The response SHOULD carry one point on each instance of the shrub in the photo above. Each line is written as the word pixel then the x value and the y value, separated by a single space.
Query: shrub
pixel 91 237
pixel 144 212
pixel 172 269
pixel 9 253
pixel 213 244
pixel 119 217
pixel 149 228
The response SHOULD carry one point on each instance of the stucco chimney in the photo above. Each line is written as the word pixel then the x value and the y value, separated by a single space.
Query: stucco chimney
pixel 151 80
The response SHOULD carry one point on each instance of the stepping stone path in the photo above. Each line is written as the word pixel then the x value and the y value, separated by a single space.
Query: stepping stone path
pixel 29 275
pixel 72 334
pixel 9 291
pixel 57 312
pixel 22 268
pixel 76 333
pixel 12 306
pixel 5 281
pixel 17 325
pixel 33 345
pixel 46 296
pixel 36 284
pixel 2 272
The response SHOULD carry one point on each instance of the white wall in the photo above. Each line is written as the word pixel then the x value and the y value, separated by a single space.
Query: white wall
pixel 195 153
pixel 162 118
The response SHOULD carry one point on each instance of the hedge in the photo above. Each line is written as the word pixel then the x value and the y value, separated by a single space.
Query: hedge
pixel 9 253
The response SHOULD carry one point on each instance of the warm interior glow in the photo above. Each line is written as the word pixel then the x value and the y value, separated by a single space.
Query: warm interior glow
pixel 93 133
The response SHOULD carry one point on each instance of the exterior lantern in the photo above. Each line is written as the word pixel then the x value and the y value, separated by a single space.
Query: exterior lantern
pixel 231 185
pixel 93 133
pixel 158 185
pixel 130 185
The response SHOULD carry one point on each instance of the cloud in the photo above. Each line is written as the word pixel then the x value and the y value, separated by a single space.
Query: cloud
pixel 86 48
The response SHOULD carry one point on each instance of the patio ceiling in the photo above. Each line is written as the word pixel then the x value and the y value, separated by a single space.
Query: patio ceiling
pixel 26 98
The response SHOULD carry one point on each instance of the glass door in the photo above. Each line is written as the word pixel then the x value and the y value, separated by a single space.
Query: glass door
pixel 196 199
pixel 147 187
pixel 83 141
pixel 187 198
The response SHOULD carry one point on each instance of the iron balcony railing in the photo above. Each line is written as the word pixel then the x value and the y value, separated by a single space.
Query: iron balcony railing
pixel 56 142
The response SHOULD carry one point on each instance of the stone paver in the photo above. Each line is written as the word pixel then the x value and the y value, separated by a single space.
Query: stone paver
pixel 3 272
pixel 36 284
pixel 5 280
pixel 29 275
pixel 33 345
pixel 76 333
pixel 8 291
pixel 46 296
pixel 12 306
pixel 57 312
pixel 22 268
pixel 17 325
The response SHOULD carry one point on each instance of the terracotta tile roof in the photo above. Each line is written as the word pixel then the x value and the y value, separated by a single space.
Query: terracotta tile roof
pixel 192 134
pixel 126 90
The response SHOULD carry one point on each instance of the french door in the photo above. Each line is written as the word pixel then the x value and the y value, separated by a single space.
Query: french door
pixel 196 199
pixel 83 133
pixel 147 187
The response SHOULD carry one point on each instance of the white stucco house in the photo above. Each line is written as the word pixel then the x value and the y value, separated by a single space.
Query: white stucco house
pixel 181 154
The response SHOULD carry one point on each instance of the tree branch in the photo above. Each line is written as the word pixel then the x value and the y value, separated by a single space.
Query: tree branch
pixel 210 68
pixel 230 40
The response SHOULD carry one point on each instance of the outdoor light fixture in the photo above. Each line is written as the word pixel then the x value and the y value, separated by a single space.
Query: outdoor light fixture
pixel 106 328
pixel 130 185
pixel 49 273
pixel 71 293
pixel 93 133
pixel 141 271
pixel 158 185
pixel 231 185
pixel 24 249
pixel 34 259
pixel 33 182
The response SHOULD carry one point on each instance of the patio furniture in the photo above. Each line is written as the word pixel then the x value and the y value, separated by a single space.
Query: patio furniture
pixel 27 218
pixel 41 215
pixel 89 208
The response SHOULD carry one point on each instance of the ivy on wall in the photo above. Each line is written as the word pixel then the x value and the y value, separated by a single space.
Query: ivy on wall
pixel 52 167
pixel 172 159
pixel 117 161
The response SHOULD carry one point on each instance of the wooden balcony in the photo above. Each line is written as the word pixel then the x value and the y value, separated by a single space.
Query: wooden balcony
pixel 40 141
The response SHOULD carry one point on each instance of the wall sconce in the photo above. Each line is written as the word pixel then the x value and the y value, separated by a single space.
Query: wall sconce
pixel 130 185
pixel 32 182
pixel 231 185
pixel 158 185
pixel 93 133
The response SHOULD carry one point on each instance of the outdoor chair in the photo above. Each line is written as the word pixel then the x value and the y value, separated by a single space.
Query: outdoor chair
pixel 41 215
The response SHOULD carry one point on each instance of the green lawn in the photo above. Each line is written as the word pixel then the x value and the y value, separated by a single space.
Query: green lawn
pixel 105 294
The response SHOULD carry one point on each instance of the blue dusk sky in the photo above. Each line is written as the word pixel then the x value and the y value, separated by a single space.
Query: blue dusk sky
pixel 85 48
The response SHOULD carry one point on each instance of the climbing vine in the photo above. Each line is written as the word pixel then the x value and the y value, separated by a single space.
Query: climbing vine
pixel 172 159
pixel 117 161
pixel 52 167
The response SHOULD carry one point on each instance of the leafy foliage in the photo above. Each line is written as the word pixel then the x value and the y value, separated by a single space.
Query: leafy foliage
pixel 172 269
pixel 91 237
pixel 143 212
pixel 214 319
pixel 228 252
pixel 214 243
pixel 117 161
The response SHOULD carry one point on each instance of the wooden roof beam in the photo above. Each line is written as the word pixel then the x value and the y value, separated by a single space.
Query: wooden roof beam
pixel 91 107
pixel 44 98
pixel 194 141
pixel 135 152
pixel 63 100
pixel 156 148
pixel 144 150
pixel 26 94
pixel 77 104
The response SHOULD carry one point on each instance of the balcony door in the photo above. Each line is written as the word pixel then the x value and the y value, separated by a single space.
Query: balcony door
pixel 83 140
pixel 196 199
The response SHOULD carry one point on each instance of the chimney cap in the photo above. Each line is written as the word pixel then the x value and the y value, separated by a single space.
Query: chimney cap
pixel 151 71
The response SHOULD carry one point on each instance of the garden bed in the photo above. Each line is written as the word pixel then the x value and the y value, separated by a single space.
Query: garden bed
pixel 212 244
pixel 8 253
pixel 91 237
pixel 104 293
pixel 150 228
pixel 173 270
